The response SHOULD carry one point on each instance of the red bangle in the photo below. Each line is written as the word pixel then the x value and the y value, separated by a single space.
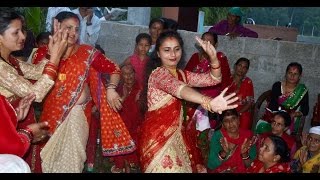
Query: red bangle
pixel 30 131
pixel 27 132
pixel 216 67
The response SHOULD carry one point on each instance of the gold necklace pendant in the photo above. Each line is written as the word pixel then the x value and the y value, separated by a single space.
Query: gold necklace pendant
pixel 62 76
pixel 173 72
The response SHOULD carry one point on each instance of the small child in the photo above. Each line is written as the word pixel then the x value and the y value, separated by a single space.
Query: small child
pixel 140 58
pixel 41 40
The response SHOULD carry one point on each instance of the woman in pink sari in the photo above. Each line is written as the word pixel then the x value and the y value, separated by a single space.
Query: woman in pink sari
pixel 164 145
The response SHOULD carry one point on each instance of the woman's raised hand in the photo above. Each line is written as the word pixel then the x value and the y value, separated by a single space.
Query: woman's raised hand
pixel 221 102
pixel 58 42
pixel 208 48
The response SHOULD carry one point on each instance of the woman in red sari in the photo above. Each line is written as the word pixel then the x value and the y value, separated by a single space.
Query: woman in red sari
pixel 15 75
pixel 274 157
pixel 243 86
pixel 68 106
pixel 164 143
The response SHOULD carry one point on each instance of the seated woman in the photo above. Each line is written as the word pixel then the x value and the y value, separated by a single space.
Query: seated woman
pixel 307 158
pixel 232 25
pixel 243 86
pixel 231 148
pixel 273 157
pixel 280 123
pixel 288 95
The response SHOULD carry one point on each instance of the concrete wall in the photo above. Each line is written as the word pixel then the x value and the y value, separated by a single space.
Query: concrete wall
pixel 308 39
pixel 269 58
pixel 271 32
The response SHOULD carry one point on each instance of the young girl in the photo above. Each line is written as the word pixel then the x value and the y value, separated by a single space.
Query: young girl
pixel 139 59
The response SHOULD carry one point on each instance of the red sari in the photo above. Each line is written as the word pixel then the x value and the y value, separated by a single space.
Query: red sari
pixel 246 94
pixel 132 117
pixel 11 142
pixel 58 103
pixel 165 142
pixel 256 166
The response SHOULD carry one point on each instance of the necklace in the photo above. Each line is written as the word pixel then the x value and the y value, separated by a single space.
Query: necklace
pixel 173 72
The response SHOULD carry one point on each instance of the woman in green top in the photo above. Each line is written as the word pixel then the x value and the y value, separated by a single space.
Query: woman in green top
pixel 231 148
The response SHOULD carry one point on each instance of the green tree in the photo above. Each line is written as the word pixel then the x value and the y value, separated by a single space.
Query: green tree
pixel 35 18
pixel 156 12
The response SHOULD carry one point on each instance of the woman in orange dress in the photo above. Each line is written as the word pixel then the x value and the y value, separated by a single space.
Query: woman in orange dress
pixel 68 106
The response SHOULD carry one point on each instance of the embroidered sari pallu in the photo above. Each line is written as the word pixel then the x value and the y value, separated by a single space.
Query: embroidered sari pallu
pixel 162 146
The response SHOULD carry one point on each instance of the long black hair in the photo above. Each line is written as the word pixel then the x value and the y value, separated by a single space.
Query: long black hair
pixel 155 62
pixel 66 15
pixel 280 148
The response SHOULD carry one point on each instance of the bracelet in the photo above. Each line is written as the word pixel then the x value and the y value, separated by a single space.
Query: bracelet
pixel 50 72
pixel 111 87
pixel 218 67
pixel 112 84
pixel 206 103
pixel 27 132
pixel 30 131
pixel 51 65
pixel 245 158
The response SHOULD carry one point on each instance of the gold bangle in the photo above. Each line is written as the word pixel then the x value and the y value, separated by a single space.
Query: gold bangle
pixel 206 103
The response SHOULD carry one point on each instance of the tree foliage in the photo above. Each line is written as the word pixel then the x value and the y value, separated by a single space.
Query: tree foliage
pixel 35 18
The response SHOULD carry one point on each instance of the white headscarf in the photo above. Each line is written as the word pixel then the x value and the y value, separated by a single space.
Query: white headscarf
pixel 315 130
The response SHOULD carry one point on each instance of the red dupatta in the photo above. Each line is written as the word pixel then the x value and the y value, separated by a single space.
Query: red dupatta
pixel 234 161
pixel 154 130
